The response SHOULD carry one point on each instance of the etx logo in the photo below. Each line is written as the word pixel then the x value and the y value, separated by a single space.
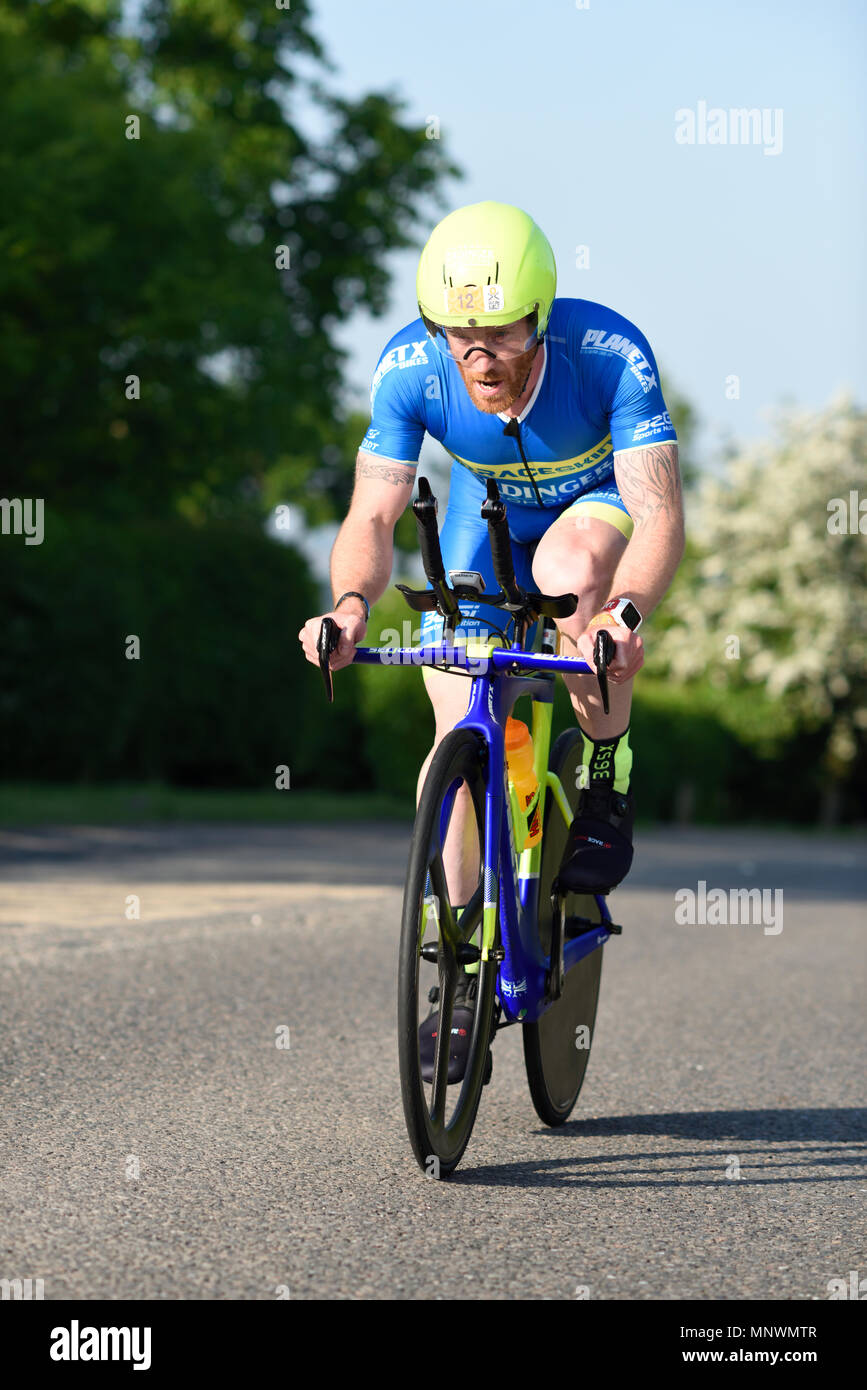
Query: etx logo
pixel 397 357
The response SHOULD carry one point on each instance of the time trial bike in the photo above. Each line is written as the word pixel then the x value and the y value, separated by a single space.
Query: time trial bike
pixel 536 951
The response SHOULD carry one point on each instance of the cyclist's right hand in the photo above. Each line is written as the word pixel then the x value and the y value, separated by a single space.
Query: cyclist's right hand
pixel 352 629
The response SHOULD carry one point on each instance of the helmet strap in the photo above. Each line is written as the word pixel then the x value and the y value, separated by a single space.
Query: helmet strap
pixel 529 370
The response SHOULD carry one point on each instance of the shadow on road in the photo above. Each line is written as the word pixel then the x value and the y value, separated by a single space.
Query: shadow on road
pixel 829 1129
pixel 800 1125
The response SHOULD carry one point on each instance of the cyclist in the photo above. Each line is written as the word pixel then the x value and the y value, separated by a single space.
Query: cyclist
pixel 558 400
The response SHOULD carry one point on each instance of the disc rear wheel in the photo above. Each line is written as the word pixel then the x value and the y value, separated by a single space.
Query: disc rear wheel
pixel 557 1046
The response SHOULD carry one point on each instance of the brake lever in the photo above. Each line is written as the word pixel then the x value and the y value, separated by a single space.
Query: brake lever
pixel 329 636
pixel 603 653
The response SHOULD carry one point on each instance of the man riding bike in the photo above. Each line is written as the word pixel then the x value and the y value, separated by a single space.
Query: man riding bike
pixel 559 401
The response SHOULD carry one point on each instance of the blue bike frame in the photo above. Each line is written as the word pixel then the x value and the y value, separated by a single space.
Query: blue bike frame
pixel 522 983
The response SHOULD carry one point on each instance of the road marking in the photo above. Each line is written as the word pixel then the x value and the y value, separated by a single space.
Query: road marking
pixel 77 904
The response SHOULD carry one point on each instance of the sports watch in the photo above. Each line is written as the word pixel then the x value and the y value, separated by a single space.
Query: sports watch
pixel 623 611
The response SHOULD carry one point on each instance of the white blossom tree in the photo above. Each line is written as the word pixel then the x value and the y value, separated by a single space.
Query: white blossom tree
pixel 774 591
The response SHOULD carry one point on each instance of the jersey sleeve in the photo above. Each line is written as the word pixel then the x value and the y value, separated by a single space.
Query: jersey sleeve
pixel 627 388
pixel 397 424
pixel 638 411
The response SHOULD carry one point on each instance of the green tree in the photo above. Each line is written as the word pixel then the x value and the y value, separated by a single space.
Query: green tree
pixel 168 303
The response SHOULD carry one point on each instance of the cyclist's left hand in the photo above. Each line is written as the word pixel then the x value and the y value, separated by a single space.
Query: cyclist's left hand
pixel 628 648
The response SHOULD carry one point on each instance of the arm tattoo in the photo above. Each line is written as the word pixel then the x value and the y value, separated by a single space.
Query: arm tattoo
pixel 649 481
pixel 385 473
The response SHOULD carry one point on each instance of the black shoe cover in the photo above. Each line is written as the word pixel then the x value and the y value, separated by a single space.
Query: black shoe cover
pixel 598 852
pixel 463 1013
pixel 462 1031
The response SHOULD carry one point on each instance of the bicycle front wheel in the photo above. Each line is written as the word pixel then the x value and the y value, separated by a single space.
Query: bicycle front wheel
pixel 439 1118
pixel 557 1047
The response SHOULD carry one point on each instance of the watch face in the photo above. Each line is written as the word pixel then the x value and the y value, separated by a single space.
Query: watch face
pixel 631 616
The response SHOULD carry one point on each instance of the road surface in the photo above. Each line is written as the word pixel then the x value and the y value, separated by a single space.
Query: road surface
pixel 156 1142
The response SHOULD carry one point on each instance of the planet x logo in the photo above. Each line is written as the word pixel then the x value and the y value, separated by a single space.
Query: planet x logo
pixel 597 340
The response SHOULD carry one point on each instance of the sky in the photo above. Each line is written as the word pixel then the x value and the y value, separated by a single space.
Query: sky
pixel 734 262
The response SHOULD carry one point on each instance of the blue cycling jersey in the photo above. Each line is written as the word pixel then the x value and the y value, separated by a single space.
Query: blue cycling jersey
pixel 598 393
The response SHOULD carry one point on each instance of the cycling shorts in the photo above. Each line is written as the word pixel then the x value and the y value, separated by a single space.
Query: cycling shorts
pixel 465 546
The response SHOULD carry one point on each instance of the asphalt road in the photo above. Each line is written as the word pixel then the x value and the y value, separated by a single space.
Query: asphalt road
pixel 156 1143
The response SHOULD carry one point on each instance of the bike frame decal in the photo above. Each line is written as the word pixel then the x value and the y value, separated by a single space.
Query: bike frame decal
pixel 486 659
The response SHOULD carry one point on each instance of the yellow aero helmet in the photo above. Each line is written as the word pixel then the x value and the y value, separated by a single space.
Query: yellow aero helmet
pixel 485 265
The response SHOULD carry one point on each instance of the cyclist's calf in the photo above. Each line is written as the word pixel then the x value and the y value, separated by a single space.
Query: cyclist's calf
pixel 450 697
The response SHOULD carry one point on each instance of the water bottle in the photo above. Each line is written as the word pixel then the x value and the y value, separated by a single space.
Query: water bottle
pixel 519 759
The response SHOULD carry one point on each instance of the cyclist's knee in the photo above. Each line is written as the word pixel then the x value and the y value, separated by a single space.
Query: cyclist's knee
pixel 574 570
pixel 577 560
pixel 557 570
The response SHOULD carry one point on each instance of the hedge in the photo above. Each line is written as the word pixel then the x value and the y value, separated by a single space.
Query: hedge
pixel 219 693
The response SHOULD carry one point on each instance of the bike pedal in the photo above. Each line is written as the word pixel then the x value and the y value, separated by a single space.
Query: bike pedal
pixel 577 926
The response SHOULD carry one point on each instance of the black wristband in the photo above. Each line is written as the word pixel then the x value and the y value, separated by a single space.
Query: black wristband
pixel 351 593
